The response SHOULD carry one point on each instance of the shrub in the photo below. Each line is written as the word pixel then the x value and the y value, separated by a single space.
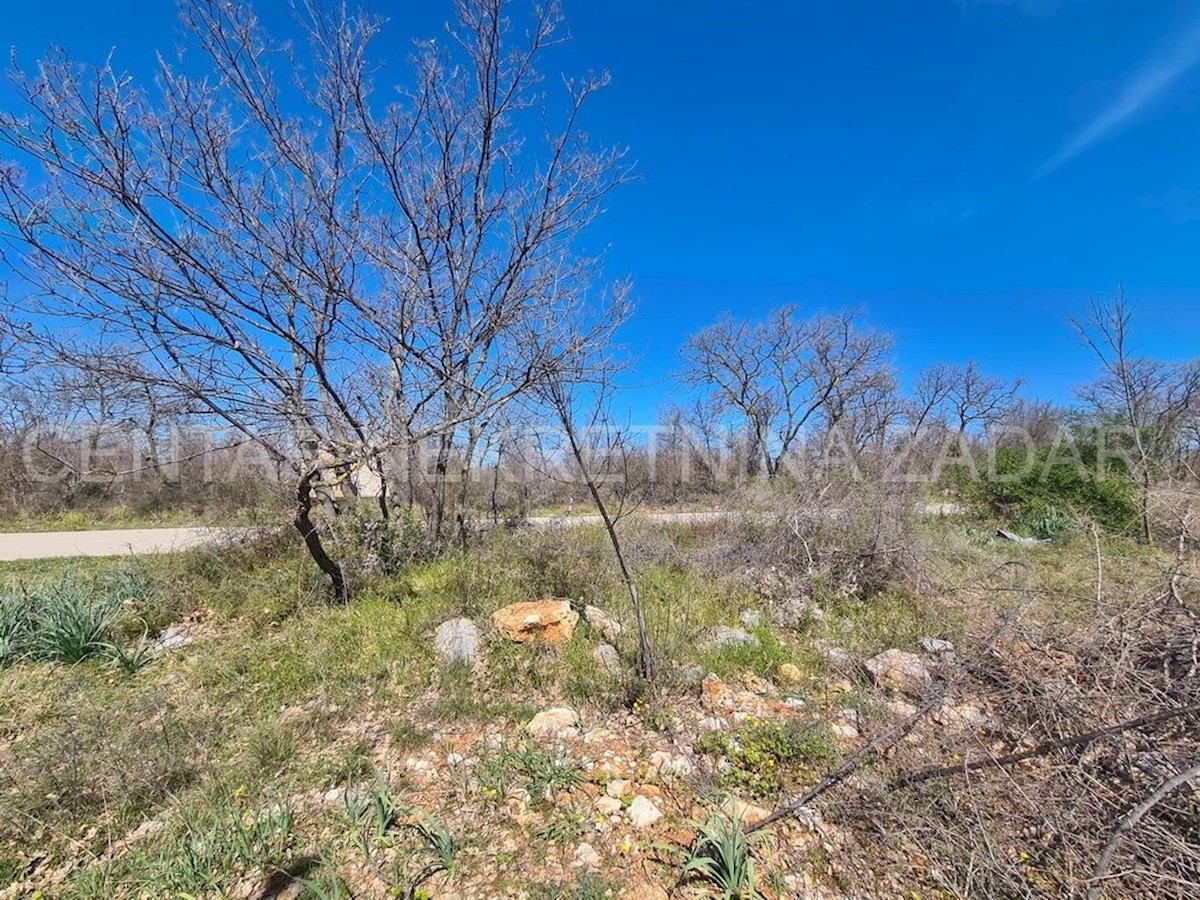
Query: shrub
pixel 763 755
pixel 1048 494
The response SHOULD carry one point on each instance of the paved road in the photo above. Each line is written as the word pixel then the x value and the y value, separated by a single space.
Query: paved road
pixel 56 544
pixel 53 544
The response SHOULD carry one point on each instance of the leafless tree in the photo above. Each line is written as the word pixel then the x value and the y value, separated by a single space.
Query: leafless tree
pixel 1154 401
pixel 784 374
pixel 332 274
pixel 959 397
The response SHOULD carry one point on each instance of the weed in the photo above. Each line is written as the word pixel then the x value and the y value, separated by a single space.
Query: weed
pixel 722 854
pixel 763 755
pixel 526 767
pixel 438 842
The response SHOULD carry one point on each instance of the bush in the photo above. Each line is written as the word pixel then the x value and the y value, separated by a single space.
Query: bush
pixel 1048 496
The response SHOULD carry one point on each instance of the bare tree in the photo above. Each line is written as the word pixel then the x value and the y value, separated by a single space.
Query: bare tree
pixel 578 395
pixel 332 275
pixel 784 374
pixel 1153 400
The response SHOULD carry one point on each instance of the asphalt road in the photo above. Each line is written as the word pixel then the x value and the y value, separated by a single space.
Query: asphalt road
pixel 55 544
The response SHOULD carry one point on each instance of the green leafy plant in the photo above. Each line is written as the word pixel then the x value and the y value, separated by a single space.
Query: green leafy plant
pixel 723 855
pixel 526 767
pixel 440 844
pixel 762 753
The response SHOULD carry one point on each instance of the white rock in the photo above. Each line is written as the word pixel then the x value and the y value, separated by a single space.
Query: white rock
pixel 454 759
pixel 900 671
pixel 668 766
pixel 617 788
pixel 839 657
pixel 609 658
pixel 642 812
pixel 722 636
pixel 175 637
pixel 586 857
pixel 936 645
pixel 751 618
pixel 603 622
pixel 608 806
pixel 559 722
pixel 457 641
pixel 711 723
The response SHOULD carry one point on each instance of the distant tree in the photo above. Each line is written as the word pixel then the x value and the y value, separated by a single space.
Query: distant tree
pixel 333 274
pixel 785 374
pixel 959 397
pixel 1155 401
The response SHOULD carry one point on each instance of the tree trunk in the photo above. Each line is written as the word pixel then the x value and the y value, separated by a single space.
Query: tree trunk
pixel 312 539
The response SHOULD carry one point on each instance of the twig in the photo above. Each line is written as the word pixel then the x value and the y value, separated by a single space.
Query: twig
pixel 851 765
pixel 1043 748
pixel 1130 822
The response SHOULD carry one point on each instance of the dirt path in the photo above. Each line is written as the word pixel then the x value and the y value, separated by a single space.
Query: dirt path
pixel 54 544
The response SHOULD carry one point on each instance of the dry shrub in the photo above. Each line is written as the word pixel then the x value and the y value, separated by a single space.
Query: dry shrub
pixel 850 538
pixel 1039 827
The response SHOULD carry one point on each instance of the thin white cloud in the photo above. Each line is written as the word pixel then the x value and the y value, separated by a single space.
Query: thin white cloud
pixel 1153 80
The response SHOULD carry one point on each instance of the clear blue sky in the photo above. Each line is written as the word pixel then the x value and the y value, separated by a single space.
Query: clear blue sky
pixel 969 171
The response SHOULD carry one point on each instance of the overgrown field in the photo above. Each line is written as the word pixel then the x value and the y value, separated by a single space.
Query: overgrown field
pixel 273 745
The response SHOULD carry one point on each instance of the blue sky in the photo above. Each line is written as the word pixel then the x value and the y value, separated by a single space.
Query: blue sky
pixel 969 171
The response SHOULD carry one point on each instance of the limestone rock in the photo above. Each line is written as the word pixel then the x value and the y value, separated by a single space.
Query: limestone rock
pixel 722 636
pixel 936 645
pixel 457 641
pixel 642 812
pixel 603 623
pixel 609 658
pixel 585 857
pixel 900 671
pixel 559 722
pixel 789 672
pixel 536 621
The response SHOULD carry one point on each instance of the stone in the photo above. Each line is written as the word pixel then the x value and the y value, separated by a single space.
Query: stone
pixel 722 637
pixel 668 766
pixel 936 645
pixel 839 657
pixel 608 806
pixel 617 788
pixel 714 693
pixel 536 621
pixel 642 812
pixel 709 723
pixel 900 671
pixel 585 857
pixel 457 641
pixel 603 623
pixel 559 722
pixel 693 674
pixel 609 658
pixel 751 618
pixel 174 638
pixel 790 672
pixel 742 812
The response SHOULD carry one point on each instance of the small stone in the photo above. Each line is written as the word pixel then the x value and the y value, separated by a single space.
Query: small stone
pixel 642 812
pixel 936 645
pixel 742 812
pixel 585 857
pixel 790 672
pixel 608 806
pixel 174 638
pixel 454 759
pixel 845 730
pixel 617 788
pixel 609 658
pixel 457 641
pixel 751 618
pixel 722 637
pixel 709 723
pixel 603 623
pixel 559 722
pixel 839 657
pixel 668 766
pixel 900 671
pixel 693 673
